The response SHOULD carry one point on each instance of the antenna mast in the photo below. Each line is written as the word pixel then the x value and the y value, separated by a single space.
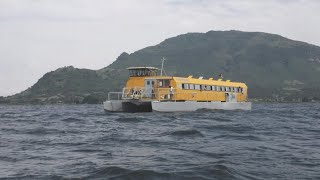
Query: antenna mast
pixel 163 59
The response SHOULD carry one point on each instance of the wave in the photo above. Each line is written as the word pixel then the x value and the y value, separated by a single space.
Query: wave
pixel 129 120
pixel 234 128
pixel 221 119
pixel 88 150
pixel 8 159
pixel 42 131
pixel 211 154
pixel 238 137
pixel 54 115
pixel 187 132
pixel 217 171
pixel 34 177
pixel 118 173
pixel 71 119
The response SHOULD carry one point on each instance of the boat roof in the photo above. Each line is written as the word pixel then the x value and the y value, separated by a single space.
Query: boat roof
pixel 159 77
pixel 130 68
pixel 207 81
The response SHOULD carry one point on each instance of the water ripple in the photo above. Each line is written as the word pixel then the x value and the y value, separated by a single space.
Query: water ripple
pixel 273 141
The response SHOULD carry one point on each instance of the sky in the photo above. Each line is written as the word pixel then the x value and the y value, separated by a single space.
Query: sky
pixel 38 36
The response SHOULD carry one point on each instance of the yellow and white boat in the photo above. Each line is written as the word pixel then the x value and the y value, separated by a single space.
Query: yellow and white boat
pixel 146 91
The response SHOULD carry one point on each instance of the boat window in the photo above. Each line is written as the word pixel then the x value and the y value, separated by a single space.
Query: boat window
pixel 166 83
pixel 213 88
pixel 191 86
pixel 185 86
pixel 160 83
pixel 197 87
pixel 148 82
pixel 153 73
pixel 143 72
pixel 227 89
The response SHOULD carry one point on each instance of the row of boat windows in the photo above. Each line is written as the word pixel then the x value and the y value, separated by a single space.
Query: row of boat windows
pixel 142 72
pixel 212 88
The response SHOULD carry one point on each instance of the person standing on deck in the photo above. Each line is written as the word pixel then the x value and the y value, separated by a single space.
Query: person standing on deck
pixel 220 76
pixel 171 92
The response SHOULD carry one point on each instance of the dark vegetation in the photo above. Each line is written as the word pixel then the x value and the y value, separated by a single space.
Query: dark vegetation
pixel 275 68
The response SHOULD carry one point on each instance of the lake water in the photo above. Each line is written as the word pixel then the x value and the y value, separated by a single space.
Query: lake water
pixel 273 141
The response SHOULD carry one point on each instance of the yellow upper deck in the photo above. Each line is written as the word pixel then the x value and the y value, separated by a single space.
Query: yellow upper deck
pixel 183 88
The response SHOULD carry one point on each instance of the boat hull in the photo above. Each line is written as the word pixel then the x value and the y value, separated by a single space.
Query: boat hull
pixel 170 106
pixel 193 106
pixel 127 106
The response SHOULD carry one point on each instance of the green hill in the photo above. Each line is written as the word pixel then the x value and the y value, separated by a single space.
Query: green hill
pixel 274 67
pixel 70 85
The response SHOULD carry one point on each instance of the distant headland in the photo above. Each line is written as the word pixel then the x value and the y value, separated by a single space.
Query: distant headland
pixel 275 68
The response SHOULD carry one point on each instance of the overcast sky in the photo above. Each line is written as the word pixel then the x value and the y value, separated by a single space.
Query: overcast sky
pixel 37 36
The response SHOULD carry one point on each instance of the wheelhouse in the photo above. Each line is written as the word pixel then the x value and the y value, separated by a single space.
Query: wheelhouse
pixel 142 71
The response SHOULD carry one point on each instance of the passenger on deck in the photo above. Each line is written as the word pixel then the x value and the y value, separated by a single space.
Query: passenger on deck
pixel 171 92
pixel 131 91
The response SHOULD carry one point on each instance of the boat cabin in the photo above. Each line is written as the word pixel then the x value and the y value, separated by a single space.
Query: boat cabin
pixel 145 83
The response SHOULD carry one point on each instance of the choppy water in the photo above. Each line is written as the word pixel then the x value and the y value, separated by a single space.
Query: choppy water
pixel 273 141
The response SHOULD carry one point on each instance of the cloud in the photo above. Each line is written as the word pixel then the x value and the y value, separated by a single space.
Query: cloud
pixel 38 36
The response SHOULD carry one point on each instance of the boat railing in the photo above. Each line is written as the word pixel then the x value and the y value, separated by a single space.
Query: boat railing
pixel 138 93
pixel 192 96
pixel 160 94
pixel 164 94
pixel 172 96
pixel 114 96
pixel 134 93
